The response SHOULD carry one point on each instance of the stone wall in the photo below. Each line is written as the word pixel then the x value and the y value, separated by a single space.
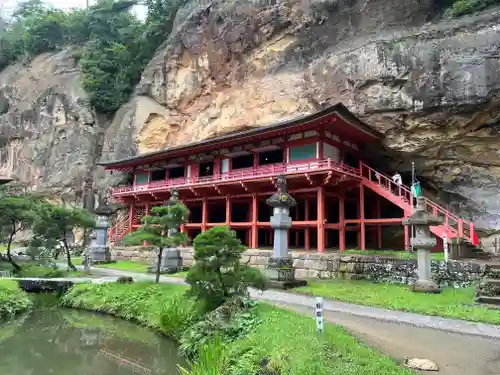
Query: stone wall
pixel 357 267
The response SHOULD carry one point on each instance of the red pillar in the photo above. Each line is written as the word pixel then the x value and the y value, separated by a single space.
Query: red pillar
pixel 307 232
pixel 341 224
pixel 204 214
pixel 297 219
pixel 148 211
pixel 131 216
pixel 321 219
pixel 407 238
pixel 362 217
pixel 379 227
pixel 228 210
pixel 254 243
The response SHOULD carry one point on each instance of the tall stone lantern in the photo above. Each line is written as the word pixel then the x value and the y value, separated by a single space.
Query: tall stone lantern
pixel 98 251
pixel 280 270
pixel 423 241
pixel 171 260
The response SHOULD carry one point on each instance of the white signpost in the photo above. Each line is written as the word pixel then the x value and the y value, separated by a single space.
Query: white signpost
pixel 319 314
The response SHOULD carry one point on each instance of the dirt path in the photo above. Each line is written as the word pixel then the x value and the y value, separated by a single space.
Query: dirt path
pixel 456 354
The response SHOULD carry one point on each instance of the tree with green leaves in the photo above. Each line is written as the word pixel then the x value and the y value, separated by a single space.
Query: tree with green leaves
pixel 218 274
pixel 16 214
pixel 54 223
pixel 160 230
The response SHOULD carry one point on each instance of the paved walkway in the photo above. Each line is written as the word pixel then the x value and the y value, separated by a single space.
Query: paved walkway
pixel 458 347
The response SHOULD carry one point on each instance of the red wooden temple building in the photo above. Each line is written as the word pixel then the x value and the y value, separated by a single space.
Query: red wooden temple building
pixel 341 201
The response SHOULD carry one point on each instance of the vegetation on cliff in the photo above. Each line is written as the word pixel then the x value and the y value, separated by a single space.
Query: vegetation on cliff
pixel 12 299
pixel 114 46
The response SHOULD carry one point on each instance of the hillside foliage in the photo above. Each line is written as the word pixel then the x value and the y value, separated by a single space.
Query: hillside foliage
pixel 111 43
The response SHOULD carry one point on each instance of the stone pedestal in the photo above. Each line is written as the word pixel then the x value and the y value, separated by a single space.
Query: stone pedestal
pixel 423 241
pixel 279 270
pixel 98 250
pixel 281 273
pixel 171 262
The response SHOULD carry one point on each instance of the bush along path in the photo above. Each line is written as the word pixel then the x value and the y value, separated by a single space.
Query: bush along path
pixel 12 299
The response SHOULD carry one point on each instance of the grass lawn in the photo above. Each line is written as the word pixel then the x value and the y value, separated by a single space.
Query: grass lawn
pixel 286 340
pixel 399 254
pixel 452 303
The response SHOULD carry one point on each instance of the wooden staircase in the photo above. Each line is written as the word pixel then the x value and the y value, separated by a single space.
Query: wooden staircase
pixel 401 196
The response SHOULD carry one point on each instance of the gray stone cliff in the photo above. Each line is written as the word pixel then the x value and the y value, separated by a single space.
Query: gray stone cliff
pixel 429 84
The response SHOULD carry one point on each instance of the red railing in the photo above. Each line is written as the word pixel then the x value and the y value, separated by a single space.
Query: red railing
pixel 240 174
pixel 460 227
pixel 386 182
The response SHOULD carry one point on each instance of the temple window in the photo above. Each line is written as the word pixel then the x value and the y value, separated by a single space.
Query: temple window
pixel 159 175
pixel 207 169
pixel 243 161
pixel 303 152
pixel 177 172
pixel 141 178
pixel 270 157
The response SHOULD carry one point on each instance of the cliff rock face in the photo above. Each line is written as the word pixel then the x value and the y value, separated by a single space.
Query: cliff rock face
pixel 430 85
pixel 51 139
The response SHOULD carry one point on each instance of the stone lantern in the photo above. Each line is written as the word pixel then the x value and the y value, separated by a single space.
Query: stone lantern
pixel 171 260
pixel 280 271
pixel 423 241
pixel 98 251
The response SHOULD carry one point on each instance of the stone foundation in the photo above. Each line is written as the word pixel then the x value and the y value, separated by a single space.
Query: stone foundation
pixel 327 266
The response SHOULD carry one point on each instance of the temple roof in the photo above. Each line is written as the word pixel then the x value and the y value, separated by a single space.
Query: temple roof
pixel 338 109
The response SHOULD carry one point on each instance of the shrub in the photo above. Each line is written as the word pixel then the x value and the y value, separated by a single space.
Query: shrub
pixel 229 322
pixel 12 299
pixel 218 275
pixel 462 7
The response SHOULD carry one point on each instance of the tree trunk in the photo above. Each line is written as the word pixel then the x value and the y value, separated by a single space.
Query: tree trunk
pixel 158 264
pixel 71 266
pixel 16 266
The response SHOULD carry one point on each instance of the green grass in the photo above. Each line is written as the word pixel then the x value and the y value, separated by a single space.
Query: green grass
pixel 12 299
pixel 126 265
pixel 397 254
pixel 452 303
pixel 288 341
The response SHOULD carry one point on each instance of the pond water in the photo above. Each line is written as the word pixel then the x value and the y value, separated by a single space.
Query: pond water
pixel 69 342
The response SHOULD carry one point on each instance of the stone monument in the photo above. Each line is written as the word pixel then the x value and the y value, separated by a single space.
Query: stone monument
pixel 423 242
pixel 171 260
pixel 280 271
pixel 98 250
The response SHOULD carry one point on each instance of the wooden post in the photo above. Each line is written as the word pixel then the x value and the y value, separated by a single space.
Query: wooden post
pixel 379 227
pixel 307 231
pixel 321 219
pixel 204 214
pixel 362 217
pixel 254 240
pixel 341 223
